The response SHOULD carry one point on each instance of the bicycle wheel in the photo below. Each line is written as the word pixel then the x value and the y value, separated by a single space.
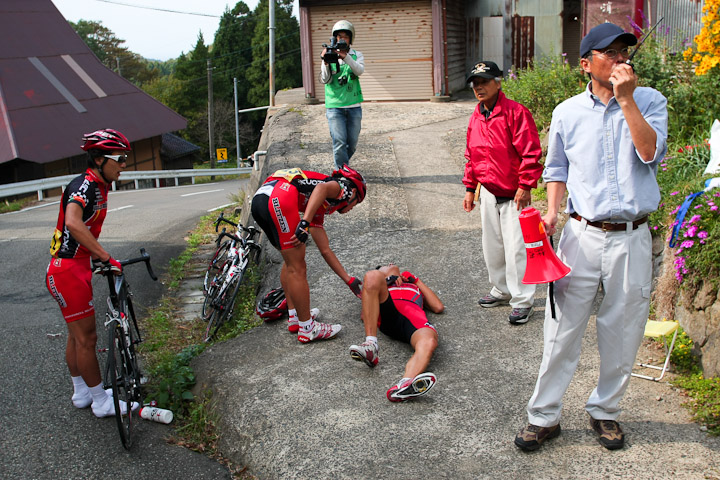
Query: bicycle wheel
pixel 120 381
pixel 210 294
pixel 223 307
pixel 216 264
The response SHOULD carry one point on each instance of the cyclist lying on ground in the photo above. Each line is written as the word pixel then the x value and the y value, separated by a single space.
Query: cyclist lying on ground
pixel 74 243
pixel 395 303
pixel 275 208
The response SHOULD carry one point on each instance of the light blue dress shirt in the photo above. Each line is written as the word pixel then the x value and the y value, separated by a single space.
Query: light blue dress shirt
pixel 591 151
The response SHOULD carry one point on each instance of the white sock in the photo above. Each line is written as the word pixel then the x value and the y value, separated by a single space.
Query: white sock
pixel 292 314
pixel 372 340
pixel 81 395
pixel 307 325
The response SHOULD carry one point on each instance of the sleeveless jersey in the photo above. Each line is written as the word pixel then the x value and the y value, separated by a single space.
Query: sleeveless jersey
pixel 337 95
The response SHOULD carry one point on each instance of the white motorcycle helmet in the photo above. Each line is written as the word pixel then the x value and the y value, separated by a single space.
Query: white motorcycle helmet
pixel 344 25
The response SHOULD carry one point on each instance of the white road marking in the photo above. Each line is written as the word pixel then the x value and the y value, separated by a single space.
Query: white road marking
pixel 221 206
pixel 120 208
pixel 200 193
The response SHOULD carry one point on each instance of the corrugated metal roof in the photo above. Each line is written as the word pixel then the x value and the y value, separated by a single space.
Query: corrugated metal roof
pixel 53 89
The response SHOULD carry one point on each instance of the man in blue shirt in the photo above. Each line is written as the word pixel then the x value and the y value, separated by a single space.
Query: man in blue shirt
pixel 604 147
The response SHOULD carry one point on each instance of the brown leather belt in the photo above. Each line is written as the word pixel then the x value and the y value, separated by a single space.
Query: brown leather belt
pixel 611 226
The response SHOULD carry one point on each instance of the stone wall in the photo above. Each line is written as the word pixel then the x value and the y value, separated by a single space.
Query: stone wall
pixel 698 311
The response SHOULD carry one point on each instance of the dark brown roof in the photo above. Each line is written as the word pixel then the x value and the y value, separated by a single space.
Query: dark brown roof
pixel 53 89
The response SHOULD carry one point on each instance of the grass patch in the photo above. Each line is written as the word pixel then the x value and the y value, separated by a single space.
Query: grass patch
pixel 6 206
pixel 705 400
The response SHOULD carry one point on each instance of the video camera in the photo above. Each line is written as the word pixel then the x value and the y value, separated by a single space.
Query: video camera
pixel 331 56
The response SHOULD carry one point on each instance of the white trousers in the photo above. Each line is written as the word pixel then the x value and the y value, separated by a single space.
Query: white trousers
pixel 504 250
pixel 622 263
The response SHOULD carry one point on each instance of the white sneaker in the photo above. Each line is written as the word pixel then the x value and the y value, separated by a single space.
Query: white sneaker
pixel 84 400
pixel 107 409
pixel 321 331
pixel 294 326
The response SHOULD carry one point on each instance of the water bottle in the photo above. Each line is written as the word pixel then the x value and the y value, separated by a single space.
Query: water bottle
pixel 156 414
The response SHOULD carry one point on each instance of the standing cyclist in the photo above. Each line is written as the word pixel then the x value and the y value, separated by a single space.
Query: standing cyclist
pixel 342 93
pixel 275 208
pixel 74 244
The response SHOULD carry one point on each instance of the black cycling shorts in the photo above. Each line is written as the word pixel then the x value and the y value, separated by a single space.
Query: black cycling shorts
pixel 396 325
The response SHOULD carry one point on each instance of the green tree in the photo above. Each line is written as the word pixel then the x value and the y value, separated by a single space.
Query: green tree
pixel 288 71
pixel 191 72
pixel 232 53
pixel 110 51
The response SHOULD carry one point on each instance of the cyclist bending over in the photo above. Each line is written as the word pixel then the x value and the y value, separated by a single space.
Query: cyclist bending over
pixel 275 208
pixel 74 244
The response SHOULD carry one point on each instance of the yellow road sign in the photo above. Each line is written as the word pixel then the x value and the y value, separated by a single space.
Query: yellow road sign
pixel 221 153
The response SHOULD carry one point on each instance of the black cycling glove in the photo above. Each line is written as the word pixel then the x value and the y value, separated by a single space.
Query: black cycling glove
pixel 302 231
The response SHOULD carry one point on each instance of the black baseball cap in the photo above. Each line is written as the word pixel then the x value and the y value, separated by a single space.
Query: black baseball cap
pixel 602 36
pixel 484 69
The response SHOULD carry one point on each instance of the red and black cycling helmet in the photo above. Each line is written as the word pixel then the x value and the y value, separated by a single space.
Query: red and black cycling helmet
pixel 107 140
pixel 355 177
pixel 273 305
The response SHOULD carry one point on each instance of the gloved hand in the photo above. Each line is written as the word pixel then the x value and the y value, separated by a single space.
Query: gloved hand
pixel 111 264
pixel 409 277
pixel 302 231
pixel 354 285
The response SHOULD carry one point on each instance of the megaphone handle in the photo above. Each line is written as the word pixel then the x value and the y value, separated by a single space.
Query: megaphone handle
pixel 477 193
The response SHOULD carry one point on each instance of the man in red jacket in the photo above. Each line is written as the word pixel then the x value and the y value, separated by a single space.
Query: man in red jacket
pixel 503 165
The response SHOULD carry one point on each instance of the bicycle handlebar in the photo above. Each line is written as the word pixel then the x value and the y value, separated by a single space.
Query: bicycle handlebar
pixel 252 231
pixel 144 257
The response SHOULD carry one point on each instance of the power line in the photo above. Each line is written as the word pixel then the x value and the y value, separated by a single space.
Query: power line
pixel 160 9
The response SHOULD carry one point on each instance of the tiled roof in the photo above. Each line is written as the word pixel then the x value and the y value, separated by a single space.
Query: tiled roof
pixel 174 146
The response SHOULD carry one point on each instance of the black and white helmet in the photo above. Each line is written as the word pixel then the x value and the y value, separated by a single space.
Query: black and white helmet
pixel 273 305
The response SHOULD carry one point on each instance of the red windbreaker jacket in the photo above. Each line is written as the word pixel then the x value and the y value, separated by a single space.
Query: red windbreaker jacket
pixel 502 152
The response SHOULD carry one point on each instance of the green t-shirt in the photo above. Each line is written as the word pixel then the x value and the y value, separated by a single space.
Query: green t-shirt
pixel 343 88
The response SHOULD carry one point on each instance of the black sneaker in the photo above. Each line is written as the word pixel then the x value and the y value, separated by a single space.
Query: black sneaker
pixel 518 316
pixel 489 301
pixel 610 434
pixel 531 437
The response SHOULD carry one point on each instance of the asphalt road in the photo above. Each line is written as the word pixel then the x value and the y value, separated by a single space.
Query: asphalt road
pixel 41 434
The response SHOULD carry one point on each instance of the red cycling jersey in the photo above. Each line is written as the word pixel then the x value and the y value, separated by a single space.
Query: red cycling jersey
pixel 402 313
pixel 277 202
pixel 88 191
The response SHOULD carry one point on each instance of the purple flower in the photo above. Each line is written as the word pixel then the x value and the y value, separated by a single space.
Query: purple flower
pixel 694 218
pixel 702 234
pixel 697 206
pixel 655 227
pixel 691 231
pixel 674 193
pixel 713 208
pixel 675 210
pixel 687 244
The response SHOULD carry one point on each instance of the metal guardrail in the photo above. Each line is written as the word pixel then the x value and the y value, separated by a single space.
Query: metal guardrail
pixel 39 186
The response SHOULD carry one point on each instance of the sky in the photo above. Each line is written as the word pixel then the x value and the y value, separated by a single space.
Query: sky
pixel 154 34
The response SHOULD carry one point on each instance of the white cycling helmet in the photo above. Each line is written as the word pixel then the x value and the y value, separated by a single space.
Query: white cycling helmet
pixel 344 25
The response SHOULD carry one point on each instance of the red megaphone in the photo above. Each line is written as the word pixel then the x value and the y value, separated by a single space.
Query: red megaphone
pixel 543 265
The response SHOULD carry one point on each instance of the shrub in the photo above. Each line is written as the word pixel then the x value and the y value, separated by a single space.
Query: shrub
pixel 542 87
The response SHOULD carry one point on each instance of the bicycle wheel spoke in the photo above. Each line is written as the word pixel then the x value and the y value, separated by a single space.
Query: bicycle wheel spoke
pixel 120 381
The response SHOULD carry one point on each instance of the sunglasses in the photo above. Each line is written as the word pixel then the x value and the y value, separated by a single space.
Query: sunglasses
pixel 118 158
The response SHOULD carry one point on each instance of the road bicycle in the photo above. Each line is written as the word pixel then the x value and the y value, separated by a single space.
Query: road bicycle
pixel 226 272
pixel 122 372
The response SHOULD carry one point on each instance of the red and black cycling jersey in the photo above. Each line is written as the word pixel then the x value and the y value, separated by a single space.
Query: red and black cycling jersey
pixel 305 182
pixel 88 191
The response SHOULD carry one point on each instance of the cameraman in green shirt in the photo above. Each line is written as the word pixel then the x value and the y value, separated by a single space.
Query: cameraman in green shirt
pixel 341 68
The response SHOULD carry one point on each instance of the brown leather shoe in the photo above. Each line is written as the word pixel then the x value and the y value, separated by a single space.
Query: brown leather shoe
pixel 610 434
pixel 531 437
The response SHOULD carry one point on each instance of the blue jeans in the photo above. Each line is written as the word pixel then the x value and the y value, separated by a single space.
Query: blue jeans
pixel 345 130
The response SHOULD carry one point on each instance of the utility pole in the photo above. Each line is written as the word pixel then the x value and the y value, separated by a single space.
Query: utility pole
pixel 211 139
pixel 237 123
pixel 117 62
pixel 272 51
